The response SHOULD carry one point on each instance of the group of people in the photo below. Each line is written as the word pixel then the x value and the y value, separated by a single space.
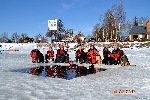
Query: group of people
pixel 87 57
pixel 38 57
pixel 115 57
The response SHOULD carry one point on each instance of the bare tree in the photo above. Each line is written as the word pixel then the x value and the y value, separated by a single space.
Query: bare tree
pixel 143 20
pixel 119 14
pixel 127 27
pixel 119 17
pixel 50 33
pixel 113 21
pixel 68 32
pixel 38 37
pixel 23 37
pixel 109 24
pixel 4 37
pixel 15 37
pixel 96 31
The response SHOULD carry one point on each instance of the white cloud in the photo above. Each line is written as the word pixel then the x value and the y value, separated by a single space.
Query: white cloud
pixel 66 6
pixel 73 3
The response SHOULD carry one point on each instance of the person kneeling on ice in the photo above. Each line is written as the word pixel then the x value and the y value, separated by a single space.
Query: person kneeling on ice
pixel 49 57
pixel 80 55
pixel 91 54
pixel 35 54
pixel 62 55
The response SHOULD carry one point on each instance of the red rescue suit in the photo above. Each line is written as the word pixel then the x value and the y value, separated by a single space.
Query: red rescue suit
pixel 50 54
pixel 79 52
pixel 60 53
pixel 115 55
pixel 34 56
pixel 92 55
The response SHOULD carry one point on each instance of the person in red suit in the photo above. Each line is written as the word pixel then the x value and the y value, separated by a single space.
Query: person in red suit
pixel 49 57
pixel 35 55
pixel 62 55
pixel 92 54
pixel 115 55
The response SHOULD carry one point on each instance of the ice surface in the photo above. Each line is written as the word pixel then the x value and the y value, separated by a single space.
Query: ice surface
pixel 99 86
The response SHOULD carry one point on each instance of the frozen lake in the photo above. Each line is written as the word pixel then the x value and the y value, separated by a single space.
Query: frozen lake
pixel 99 86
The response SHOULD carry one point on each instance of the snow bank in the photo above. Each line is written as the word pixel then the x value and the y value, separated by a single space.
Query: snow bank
pixel 24 48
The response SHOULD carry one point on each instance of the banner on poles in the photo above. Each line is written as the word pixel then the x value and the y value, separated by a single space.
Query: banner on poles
pixel 52 24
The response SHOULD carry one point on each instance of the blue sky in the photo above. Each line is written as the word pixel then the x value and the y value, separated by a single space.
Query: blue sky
pixel 31 16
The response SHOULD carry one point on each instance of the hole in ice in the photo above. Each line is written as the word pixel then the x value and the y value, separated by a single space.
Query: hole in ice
pixel 64 72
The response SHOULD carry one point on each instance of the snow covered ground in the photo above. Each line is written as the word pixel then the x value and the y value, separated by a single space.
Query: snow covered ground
pixel 99 86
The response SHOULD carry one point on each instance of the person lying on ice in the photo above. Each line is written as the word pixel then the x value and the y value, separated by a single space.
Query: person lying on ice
pixel 62 55
pixel 80 54
pixel 49 57
pixel 35 53
pixel 91 54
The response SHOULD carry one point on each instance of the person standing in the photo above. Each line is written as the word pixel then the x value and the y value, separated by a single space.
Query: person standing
pixel 91 54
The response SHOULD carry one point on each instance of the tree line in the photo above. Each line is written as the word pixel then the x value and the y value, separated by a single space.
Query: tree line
pixel 16 38
pixel 56 35
pixel 113 23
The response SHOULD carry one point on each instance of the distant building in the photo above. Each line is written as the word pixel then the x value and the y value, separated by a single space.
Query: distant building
pixel 43 41
pixel 28 40
pixel 80 36
pixel 140 32
pixel 70 37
